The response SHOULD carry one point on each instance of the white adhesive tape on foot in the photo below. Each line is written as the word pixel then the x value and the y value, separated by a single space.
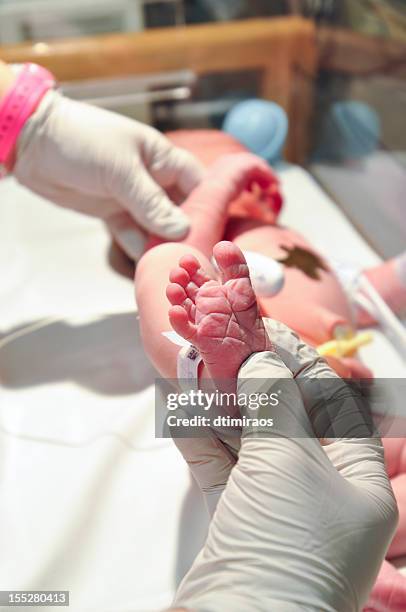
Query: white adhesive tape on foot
pixel 189 359
pixel 188 367
pixel 175 338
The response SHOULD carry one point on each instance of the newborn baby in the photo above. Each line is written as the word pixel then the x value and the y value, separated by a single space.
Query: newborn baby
pixel 311 302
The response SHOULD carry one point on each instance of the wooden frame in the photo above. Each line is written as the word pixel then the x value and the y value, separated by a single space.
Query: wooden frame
pixel 283 49
pixel 288 51
pixel 347 52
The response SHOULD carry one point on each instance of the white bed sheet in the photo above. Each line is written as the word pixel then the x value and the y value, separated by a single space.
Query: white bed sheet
pixel 371 191
pixel 94 503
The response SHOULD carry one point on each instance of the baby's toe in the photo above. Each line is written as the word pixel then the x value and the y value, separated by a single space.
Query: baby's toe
pixel 190 308
pixel 192 290
pixel 230 261
pixel 179 276
pixel 200 277
pixel 176 294
pixel 189 263
pixel 180 322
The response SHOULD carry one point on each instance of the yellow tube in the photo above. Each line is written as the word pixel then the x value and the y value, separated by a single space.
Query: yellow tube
pixel 346 346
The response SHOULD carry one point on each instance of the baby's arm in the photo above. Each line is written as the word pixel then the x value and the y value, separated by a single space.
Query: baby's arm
pixel 389 279
pixel 226 180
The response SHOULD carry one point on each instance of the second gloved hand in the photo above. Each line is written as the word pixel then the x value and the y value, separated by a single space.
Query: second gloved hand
pixel 299 526
pixel 105 165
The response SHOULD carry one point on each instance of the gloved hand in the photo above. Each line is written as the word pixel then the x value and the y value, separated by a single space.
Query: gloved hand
pixel 105 165
pixel 299 525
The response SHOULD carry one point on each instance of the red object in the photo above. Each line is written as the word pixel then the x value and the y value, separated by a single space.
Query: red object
pixel 208 145
pixel 17 106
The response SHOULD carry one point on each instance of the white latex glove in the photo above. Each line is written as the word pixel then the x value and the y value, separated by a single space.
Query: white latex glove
pixel 108 166
pixel 299 526
pixel 212 459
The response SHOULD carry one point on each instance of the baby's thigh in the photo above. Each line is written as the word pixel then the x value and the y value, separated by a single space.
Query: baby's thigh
pixel 152 277
pixel 257 236
pixel 151 280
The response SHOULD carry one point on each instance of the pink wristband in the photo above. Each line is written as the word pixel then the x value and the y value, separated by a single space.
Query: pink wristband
pixel 19 103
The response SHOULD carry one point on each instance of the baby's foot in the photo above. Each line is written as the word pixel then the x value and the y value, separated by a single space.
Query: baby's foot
pixel 220 318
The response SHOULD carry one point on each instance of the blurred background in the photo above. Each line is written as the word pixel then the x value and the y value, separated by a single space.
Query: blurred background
pixel 338 72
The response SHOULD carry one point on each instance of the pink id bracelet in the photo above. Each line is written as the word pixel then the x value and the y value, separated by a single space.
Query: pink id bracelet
pixel 17 106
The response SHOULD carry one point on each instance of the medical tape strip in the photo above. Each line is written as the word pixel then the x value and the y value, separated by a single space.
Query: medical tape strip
pixel 189 359
pixel 188 363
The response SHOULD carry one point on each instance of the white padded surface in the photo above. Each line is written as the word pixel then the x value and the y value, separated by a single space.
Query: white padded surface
pixel 371 191
pixel 94 503
pixel 309 210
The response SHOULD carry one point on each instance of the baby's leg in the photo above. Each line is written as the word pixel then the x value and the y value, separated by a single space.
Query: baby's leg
pixel 208 204
pixel 389 279
pixel 152 275
pixel 207 207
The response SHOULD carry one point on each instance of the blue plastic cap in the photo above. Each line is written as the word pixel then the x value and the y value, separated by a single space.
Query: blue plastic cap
pixel 350 130
pixel 260 125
